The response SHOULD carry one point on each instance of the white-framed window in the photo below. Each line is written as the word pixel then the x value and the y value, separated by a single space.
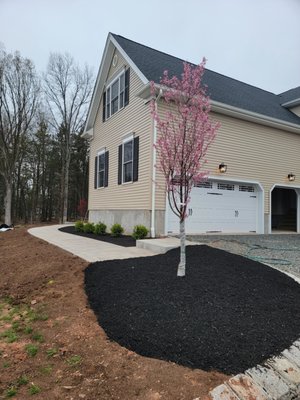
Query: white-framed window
pixel 101 169
pixel 127 162
pixel 117 94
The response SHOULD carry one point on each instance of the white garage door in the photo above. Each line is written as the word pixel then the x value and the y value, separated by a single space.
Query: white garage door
pixel 219 207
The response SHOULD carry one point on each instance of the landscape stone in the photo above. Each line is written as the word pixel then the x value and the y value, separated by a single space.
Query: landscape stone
pixel 271 382
pixel 246 388
pixel 223 392
pixel 293 353
pixel 286 369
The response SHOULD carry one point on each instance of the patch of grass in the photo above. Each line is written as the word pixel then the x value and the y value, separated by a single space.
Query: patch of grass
pixel 36 315
pixel 28 330
pixel 11 392
pixel 46 370
pixel 31 349
pixel 34 389
pixel 51 352
pixel 16 326
pixel 74 360
pixel 37 337
pixel 23 380
pixel 10 335
pixel 6 364
pixel 7 318
pixel 7 300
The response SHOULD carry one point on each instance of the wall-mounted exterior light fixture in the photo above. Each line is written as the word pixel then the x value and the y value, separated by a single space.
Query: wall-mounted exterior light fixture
pixel 222 168
pixel 291 177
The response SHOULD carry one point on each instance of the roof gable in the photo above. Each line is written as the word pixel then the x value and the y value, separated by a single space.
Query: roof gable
pixel 106 61
pixel 149 65
pixel 152 63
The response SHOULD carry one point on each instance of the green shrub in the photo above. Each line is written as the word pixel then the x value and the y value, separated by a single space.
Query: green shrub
pixel 79 226
pixel 100 229
pixel 88 227
pixel 139 232
pixel 116 230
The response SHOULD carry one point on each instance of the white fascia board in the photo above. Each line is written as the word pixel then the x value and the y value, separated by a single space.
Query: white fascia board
pixel 88 134
pixel 98 88
pixel 129 60
pixel 292 103
pixel 253 117
pixel 110 46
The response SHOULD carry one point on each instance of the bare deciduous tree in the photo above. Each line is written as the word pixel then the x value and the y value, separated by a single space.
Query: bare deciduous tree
pixel 68 89
pixel 19 91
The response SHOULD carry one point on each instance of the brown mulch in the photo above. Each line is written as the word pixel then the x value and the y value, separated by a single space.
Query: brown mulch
pixel 49 282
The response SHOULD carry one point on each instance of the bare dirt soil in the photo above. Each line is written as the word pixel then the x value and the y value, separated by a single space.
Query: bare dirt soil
pixel 51 346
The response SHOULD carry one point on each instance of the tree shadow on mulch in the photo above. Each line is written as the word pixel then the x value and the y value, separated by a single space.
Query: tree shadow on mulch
pixel 125 241
pixel 228 314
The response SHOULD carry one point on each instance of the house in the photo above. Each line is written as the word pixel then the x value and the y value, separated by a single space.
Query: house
pixel 254 163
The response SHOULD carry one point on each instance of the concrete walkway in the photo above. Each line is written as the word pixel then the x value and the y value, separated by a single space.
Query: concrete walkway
pixel 87 249
pixel 277 379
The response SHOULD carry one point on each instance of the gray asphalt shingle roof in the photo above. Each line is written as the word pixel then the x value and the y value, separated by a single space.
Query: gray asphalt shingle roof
pixel 289 95
pixel 221 88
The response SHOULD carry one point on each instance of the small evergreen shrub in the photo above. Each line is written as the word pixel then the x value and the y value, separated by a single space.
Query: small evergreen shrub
pixel 100 229
pixel 88 227
pixel 116 230
pixel 79 226
pixel 139 232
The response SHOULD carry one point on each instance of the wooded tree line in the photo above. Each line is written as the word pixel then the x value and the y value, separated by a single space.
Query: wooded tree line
pixel 43 158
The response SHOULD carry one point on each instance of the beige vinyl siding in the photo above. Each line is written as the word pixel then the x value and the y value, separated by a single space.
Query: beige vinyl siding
pixel 134 118
pixel 296 110
pixel 251 152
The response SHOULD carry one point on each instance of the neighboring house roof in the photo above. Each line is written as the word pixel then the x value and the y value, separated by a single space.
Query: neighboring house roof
pixel 290 98
pixel 152 63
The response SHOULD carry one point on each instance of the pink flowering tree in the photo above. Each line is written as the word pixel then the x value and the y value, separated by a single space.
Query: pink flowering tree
pixel 185 132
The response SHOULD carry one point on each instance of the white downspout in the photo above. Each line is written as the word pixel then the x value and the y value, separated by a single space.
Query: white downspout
pixel 152 229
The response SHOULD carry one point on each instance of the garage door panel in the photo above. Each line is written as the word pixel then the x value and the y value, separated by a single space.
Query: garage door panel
pixel 222 207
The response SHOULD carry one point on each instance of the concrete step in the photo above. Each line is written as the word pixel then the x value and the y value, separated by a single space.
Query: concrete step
pixel 162 245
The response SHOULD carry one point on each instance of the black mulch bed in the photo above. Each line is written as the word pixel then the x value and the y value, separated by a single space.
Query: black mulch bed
pixel 228 314
pixel 125 241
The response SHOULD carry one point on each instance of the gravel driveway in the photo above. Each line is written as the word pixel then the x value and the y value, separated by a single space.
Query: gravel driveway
pixel 281 250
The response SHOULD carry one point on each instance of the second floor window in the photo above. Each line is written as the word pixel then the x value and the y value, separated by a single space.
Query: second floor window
pixel 116 95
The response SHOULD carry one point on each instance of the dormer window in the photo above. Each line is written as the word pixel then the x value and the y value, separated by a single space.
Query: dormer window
pixel 116 95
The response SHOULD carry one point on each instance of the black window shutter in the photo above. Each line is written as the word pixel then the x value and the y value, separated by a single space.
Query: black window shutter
pixel 96 172
pixel 120 166
pixel 104 106
pixel 127 75
pixel 135 159
pixel 106 169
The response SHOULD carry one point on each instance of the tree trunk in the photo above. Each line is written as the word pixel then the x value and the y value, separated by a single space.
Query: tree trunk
pixel 7 202
pixel 66 192
pixel 181 265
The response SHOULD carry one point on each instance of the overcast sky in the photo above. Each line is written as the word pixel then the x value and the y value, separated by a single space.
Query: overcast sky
pixel 256 41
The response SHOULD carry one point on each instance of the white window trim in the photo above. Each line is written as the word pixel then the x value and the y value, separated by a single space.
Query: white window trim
pixel 109 86
pixel 127 139
pixel 99 153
